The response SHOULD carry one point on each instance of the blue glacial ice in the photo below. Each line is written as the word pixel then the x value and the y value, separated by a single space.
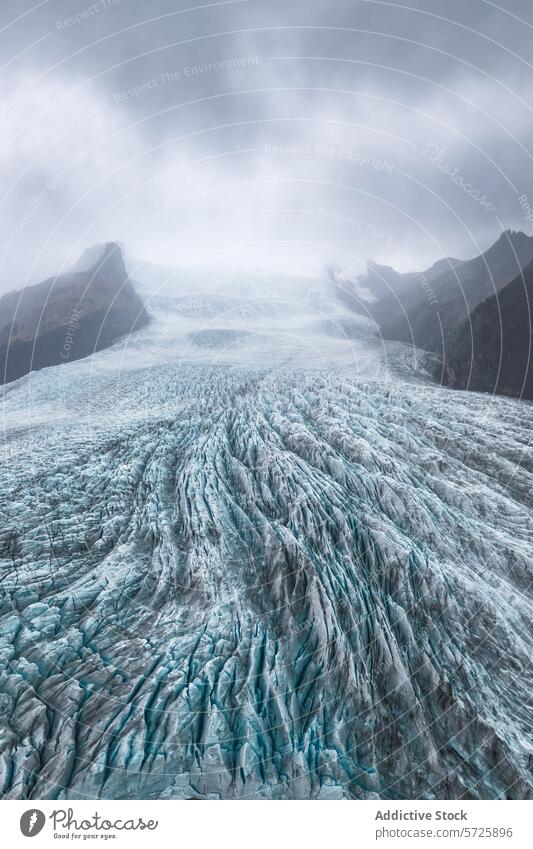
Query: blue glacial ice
pixel 253 552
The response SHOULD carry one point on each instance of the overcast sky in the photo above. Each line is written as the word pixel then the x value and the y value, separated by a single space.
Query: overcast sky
pixel 270 133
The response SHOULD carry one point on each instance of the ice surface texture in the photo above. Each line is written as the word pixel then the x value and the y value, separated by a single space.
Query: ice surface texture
pixel 229 581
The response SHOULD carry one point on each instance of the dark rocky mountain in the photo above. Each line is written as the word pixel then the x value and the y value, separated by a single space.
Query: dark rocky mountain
pixel 449 263
pixel 432 308
pixel 69 316
pixel 381 286
pixel 379 280
pixel 492 350
pixel 382 280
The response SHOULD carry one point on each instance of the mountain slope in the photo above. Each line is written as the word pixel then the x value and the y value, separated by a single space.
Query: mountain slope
pixel 492 350
pixel 377 290
pixel 68 317
pixel 429 316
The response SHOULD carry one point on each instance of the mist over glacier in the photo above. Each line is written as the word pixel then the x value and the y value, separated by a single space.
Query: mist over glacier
pixel 256 553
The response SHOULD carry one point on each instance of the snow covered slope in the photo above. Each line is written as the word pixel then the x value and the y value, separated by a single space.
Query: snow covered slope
pixel 254 318
pixel 246 555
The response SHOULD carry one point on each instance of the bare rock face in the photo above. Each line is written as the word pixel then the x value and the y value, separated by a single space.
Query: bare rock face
pixel 70 316
pixel 492 351
pixel 429 311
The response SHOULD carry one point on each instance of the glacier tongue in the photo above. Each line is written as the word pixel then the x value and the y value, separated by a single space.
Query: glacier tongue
pixel 231 581
pixel 257 319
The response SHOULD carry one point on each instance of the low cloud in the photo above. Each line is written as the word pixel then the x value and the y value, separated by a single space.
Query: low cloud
pixel 217 135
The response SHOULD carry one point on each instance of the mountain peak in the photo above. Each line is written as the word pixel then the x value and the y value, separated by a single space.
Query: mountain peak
pixel 514 237
pixel 105 259
pixel 69 316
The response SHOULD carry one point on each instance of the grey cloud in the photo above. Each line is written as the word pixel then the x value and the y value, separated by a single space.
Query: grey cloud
pixel 252 132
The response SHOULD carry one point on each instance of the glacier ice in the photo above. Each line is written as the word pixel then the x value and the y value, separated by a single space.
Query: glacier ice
pixel 253 552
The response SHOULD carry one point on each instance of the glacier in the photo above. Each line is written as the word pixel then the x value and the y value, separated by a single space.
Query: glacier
pixel 252 551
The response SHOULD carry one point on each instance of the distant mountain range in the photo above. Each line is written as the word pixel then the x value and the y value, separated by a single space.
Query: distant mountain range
pixel 451 310
pixel 474 315
pixel 69 316
pixel 430 319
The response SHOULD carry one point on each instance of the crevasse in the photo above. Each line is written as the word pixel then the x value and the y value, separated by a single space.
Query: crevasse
pixel 237 569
